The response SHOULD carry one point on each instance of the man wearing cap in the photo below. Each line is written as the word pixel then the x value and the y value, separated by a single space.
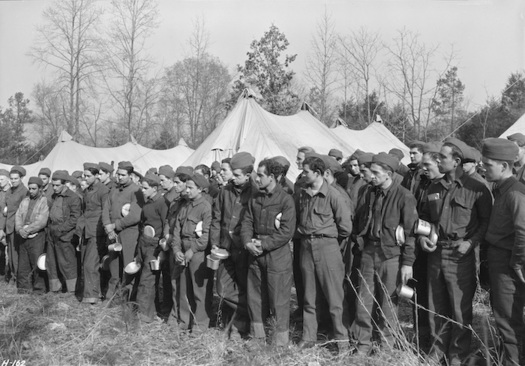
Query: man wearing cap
pixel 459 207
pixel 336 154
pixel 402 169
pixel 154 213
pixel 286 184
pixel 47 188
pixel 190 240
pixel 64 213
pixel 389 205
pixel 215 174
pixel 519 165
pixel 297 272
pixel 166 175
pixel 412 178
pixel 340 176
pixel 105 171
pixel 506 250
pixel 204 170
pixel 266 230
pixel 30 221
pixel 225 233
pixel 13 197
pixel 470 165
pixel 121 217
pixel 323 221
pixel 355 181
pixel 94 243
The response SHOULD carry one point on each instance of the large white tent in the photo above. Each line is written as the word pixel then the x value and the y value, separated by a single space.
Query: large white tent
pixel 70 155
pixel 518 126
pixel 248 127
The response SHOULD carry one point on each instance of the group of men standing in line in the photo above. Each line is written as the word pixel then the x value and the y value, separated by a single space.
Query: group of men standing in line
pixel 335 233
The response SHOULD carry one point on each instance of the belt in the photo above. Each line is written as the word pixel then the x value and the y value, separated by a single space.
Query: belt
pixel 316 236
pixel 448 244
pixel 260 237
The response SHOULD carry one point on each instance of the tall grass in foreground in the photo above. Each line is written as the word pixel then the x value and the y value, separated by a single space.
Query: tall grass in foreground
pixel 47 330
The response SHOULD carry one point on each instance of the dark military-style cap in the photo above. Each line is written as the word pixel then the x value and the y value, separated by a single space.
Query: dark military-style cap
pixel 457 143
pixel 200 181
pixel 188 170
pixel 60 175
pixel 282 161
pixel 331 163
pixel 167 171
pixel 338 154
pixel 18 169
pixel 241 160
pixel 106 167
pixel 77 174
pixel 365 157
pixel 216 166
pixel 472 155
pixel 90 166
pixel 4 172
pixel 35 180
pixel 517 137
pixel 45 171
pixel 387 159
pixel 152 179
pixel 432 147
pixel 125 165
pixel 397 153
pixel 499 149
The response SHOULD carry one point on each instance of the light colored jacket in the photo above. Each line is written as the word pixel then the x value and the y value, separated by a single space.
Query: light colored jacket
pixel 39 215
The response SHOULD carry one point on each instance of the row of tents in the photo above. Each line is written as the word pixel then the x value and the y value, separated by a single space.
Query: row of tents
pixel 248 127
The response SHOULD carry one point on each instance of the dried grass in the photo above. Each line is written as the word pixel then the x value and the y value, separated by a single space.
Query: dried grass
pixel 48 330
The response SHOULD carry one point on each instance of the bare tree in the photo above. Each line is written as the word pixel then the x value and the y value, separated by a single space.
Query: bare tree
pixel 413 77
pixel 128 64
pixel 51 118
pixel 321 67
pixel 69 44
pixel 359 53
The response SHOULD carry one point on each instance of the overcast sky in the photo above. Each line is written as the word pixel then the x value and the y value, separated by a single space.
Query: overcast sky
pixel 487 35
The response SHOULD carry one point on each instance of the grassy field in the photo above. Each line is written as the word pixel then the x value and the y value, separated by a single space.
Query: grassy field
pixel 51 330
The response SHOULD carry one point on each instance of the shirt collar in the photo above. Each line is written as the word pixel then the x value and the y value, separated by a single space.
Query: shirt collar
pixel 504 186
pixel 322 191
pixel 197 201
pixel 155 197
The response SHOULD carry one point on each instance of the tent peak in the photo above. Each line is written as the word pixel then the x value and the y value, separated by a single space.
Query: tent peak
pixel 182 142
pixel 65 137
pixel 248 93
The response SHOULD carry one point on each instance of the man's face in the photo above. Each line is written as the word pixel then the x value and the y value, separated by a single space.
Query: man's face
pixel 365 172
pixel 379 175
pixel 354 168
pixel 179 185
pixel 239 178
pixel 469 167
pixel 123 177
pixel 34 189
pixel 192 190
pixel 200 172
pixel 135 178
pixel 103 176
pixel 309 175
pixel 57 186
pixel 493 169
pixel 430 167
pixel 147 190
pixel 45 178
pixel 89 177
pixel 263 180
pixel 226 172
pixel 299 160
pixel 71 186
pixel 3 181
pixel 165 182
pixel 446 162
pixel 84 184
pixel 415 155
pixel 15 179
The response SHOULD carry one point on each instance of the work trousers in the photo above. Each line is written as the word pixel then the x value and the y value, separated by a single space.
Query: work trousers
pixel 451 285
pixel 323 270
pixel 298 274
pixel 232 277
pixel 421 286
pixel 148 250
pixel 377 299
pixel 61 257
pixel 128 238
pixel 29 278
pixel 164 295
pixel 508 300
pixel 176 270
pixel 92 250
pixel 269 285
pixel 195 294
pixel 13 246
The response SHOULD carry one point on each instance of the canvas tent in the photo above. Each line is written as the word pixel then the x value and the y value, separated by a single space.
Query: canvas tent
pixel 518 126
pixel 248 127
pixel 70 155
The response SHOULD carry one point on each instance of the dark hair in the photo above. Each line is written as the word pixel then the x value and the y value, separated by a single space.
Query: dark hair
pixel 226 161
pixel 315 164
pixel 205 169
pixel 456 151
pixel 93 171
pixel 306 149
pixel 151 182
pixel 416 145
pixel 62 181
pixel 247 169
pixel 384 166
pixel 183 177
pixel 271 167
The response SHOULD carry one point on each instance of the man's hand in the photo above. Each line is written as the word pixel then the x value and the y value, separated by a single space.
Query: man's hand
pixel 426 244
pixel 253 248
pixel 519 273
pixel 464 247
pixel 23 233
pixel 109 228
pixel 406 274
pixel 112 235
pixel 188 255
pixel 179 256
